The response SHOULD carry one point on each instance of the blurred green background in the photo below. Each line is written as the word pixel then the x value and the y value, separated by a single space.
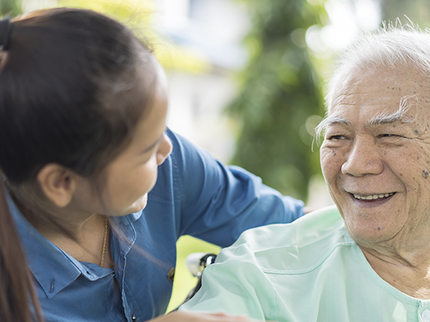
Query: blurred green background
pixel 277 100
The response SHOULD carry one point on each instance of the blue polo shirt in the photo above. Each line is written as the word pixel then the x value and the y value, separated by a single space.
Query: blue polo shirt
pixel 194 195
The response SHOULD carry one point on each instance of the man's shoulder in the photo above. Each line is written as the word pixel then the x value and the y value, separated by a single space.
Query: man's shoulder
pixel 297 247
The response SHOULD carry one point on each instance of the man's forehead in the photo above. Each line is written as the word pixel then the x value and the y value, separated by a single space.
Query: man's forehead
pixel 380 96
pixel 361 98
pixel 380 83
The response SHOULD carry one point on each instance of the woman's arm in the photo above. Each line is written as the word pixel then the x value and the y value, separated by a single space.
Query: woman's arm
pixel 178 316
pixel 216 202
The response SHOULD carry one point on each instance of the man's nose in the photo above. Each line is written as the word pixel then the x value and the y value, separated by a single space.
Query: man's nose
pixel 363 158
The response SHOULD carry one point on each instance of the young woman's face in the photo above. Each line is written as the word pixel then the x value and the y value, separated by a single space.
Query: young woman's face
pixel 133 173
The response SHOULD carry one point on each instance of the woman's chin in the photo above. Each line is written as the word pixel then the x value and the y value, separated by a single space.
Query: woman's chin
pixel 139 204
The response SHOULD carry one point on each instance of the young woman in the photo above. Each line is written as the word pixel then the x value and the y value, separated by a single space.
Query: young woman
pixel 83 106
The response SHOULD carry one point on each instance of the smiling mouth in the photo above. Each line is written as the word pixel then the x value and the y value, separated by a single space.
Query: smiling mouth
pixel 373 196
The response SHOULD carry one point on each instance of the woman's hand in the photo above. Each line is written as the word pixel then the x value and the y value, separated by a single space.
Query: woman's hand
pixel 180 316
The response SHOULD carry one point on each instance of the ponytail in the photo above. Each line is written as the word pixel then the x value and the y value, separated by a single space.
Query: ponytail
pixel 18 301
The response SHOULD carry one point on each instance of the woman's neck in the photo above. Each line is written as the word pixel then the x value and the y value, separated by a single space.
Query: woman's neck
pixel 80 235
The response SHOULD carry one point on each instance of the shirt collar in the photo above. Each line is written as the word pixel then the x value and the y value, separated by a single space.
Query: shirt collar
pixel 132 217
pixel 52 267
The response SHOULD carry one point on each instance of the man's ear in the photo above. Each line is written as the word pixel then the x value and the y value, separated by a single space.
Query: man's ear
pixel 58 183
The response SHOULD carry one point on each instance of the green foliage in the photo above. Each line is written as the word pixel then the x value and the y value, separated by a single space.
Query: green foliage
pixel 280 97
pixel 10 8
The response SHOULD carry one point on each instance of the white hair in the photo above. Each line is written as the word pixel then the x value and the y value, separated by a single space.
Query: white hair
pixel 392 45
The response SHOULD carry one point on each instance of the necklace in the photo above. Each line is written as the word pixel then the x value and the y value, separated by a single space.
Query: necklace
pixel 104 243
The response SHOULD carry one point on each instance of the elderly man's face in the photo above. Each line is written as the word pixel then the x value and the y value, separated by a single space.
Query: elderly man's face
pixel 376 160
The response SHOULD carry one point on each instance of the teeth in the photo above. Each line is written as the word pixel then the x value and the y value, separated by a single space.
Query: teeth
pixel 373 197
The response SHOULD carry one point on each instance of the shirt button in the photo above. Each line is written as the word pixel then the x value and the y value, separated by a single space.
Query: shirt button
pixel 426 316
pixel 133 318
pixel 52 288
pixel 171 274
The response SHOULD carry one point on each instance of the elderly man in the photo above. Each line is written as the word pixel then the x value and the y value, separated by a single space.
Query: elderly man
pixel 368 258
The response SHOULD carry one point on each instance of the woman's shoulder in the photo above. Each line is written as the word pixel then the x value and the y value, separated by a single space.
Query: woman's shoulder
pixel 296 247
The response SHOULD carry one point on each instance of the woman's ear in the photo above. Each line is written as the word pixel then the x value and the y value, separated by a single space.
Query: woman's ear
pixel 58 183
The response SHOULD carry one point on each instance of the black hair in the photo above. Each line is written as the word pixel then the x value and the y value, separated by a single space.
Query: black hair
pixel 68 92
pixel 73 86
pixel 18 300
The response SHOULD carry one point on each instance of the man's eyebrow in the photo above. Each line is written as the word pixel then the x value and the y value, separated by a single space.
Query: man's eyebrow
pixel 386 119
pixel 383 118
pixel 397 117
pixel 149 148
pixel 328 121
pixel 332 120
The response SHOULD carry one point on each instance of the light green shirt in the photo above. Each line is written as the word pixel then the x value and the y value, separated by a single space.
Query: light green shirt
pixel 310 270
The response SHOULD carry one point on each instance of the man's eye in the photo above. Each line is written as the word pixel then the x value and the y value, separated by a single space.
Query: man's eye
pixel 337 137
pixel 389 135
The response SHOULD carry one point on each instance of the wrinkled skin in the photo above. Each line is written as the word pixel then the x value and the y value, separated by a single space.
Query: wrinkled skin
pixel 376 164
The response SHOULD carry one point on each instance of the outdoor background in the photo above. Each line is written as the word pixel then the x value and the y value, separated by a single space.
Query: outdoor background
pixel 246 78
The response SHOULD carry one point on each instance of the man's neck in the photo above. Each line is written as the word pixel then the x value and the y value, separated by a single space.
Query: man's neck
pixel 409 274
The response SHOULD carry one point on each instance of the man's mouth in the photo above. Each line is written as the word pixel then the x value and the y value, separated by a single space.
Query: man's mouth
pixel 373 196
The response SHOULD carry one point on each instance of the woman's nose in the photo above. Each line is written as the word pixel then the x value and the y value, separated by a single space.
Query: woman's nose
pixel 363 158
pixel 164 150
